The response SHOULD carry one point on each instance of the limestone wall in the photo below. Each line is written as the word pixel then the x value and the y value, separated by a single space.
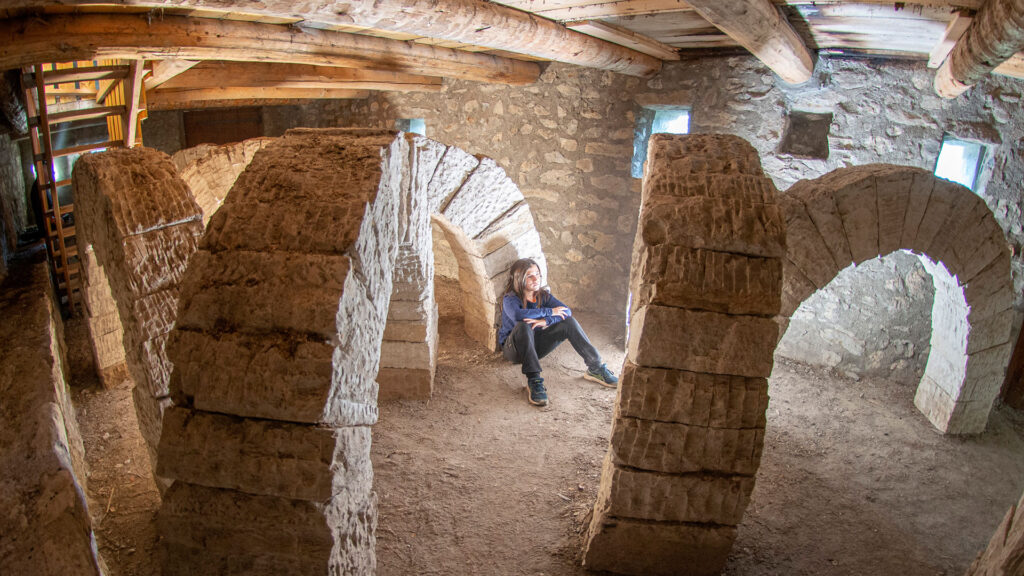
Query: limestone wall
pixel 143 226
pixel 46 526
pixel 868 322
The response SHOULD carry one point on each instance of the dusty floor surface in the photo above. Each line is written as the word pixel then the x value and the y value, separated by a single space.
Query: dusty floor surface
pixel 476 481
pixel 122 496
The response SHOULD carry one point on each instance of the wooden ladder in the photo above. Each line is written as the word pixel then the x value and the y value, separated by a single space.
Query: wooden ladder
pixel 57 94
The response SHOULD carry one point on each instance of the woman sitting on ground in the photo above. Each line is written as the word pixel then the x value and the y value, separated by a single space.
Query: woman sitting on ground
pixel 533 323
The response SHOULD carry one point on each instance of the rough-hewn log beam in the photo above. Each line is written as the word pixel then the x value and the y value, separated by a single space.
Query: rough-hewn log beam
pixel 164 70
pixel 468 21
pixel 90 36
pixel 268 75
pixel 174 99
pixel 758 26
pixel 995 35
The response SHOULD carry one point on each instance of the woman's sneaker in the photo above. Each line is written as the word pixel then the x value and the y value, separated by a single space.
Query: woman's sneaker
pixel 536 393
pixel 602 375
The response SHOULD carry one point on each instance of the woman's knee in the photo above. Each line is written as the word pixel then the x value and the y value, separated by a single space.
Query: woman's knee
pixel 521 330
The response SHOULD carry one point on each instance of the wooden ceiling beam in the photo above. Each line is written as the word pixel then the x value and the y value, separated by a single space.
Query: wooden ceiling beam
pixel 476 22
pixel 178 99
pixel 269 75
pixel 1014 67
pixel 88 36
pixel 758 26
pixel 993 37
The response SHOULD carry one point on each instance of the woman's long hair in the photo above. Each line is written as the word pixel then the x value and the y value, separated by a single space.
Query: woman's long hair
pixel 517 280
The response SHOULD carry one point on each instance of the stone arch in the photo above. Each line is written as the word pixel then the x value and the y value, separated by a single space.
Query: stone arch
pixel 484 218
pixel 209 170
pixel 139 226
pixel 689 420
pixel 278 342
pixel 855 214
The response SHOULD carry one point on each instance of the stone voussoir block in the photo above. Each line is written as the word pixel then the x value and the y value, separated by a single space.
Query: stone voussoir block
pixel 706 498
pixel 698 341
pixel 694 398
pixel 893 188
pixel 804 245
pixel 256 456
pixel 657 548
pixel 707 280
pixel 719 224
pixel 682 448
pixel 207 529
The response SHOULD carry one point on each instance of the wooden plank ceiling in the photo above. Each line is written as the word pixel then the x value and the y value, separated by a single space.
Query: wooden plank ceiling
pixel 269 52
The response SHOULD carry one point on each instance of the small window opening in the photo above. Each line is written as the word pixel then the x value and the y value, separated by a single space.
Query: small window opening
pixel 414 125
pixel 656 120
pixel 806 134
pixel 960 161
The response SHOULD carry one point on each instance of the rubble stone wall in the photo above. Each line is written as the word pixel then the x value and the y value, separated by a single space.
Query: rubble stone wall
pixel 143 226
pixel 45 525
pixel 854 215
pixel 689 419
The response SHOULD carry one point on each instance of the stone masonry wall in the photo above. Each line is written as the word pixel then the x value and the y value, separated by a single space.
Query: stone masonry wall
pixel 859 330
pixel 46 526
pixel 566 141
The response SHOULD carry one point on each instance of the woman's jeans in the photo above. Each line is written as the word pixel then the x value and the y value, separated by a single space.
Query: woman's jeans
pixel 527 346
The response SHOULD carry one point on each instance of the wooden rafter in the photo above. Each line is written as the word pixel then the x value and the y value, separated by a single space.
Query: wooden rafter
pixel 476 22
pixel 758 26
pixel 269 75
pixel 134 37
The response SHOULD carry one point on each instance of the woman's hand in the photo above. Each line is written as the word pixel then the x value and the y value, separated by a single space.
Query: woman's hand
pixel 560 311
pixel 536 322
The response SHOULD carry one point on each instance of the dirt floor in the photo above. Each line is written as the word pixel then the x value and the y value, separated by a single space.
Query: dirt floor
pixel 853 480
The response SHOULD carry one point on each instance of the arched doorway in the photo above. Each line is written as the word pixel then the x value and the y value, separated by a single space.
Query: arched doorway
pixel 856 214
